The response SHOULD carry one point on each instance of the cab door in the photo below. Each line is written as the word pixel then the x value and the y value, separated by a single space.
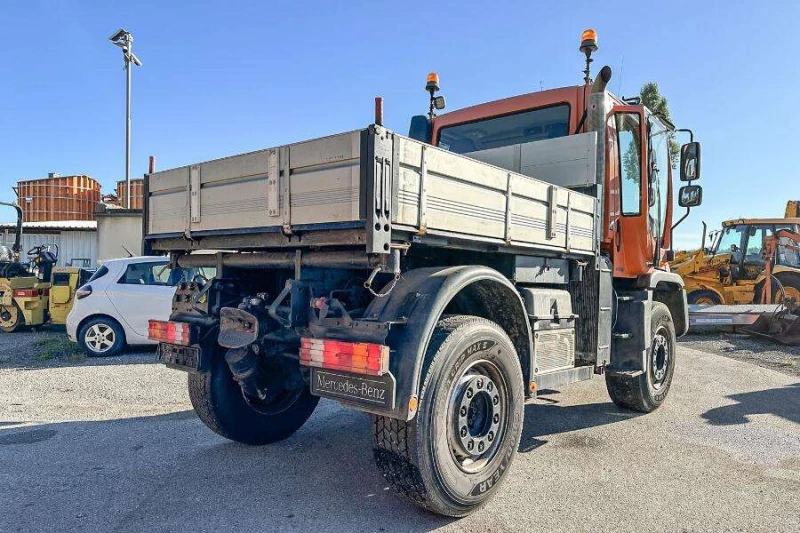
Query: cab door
pixel 632 245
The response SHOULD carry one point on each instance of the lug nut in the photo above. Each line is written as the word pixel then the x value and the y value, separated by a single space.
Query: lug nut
pixel 490 436
pixel 480 446
pixel 469 393
pixel 495 400
pixel 496 418
pixel 480 384
pixel 463 410
pixel 470 445
pixel 464 431
pixel 489 386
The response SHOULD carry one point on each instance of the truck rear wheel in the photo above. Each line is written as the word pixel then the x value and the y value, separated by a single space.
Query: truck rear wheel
pixel 646 392
pixel 222 406
pixel 452 457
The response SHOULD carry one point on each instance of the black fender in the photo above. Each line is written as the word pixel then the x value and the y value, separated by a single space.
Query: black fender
pixel 668 288
pixel 418 301
pixel 633 315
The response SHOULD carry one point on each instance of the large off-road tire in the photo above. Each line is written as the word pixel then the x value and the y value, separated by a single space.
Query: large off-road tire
pixel 646 392
pixel 452 457
pixel 785 285
pixel 101 337
pixel 12 320
pixel 219 402
pixel 703 297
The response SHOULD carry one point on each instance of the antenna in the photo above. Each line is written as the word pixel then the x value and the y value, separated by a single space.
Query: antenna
pixel 621 72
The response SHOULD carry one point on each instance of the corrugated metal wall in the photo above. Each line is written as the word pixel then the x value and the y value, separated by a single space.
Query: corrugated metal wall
pixel 71 244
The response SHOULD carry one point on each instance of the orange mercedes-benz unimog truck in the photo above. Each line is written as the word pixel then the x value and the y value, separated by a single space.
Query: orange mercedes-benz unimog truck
pixel 435 281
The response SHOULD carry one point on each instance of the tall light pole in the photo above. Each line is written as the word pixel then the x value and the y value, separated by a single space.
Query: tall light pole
pixel 124 40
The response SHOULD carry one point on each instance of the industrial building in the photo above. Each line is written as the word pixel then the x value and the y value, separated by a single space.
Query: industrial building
pixel 76 239
pixel 70 212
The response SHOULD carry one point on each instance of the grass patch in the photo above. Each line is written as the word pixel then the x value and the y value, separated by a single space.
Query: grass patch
pixel 60 348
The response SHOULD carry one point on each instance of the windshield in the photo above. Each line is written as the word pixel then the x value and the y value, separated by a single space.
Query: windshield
pixel 527 126
pixel 730 242
pixel 658 174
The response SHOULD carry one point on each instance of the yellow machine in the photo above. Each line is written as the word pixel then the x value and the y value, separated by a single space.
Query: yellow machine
pixel 731 270
pixel 36 293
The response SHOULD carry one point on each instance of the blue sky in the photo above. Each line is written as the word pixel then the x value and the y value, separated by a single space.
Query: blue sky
pixel 221 78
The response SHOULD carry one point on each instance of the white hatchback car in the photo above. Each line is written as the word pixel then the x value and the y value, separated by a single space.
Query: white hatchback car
pixel 113 308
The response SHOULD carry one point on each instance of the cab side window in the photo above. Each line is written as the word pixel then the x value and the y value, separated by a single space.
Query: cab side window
pixel 755 243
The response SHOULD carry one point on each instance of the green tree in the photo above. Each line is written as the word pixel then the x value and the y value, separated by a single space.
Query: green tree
pixel 652 98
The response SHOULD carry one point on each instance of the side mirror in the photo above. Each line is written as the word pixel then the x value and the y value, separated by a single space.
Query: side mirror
pixel 690 161
pixel 690 196
pixel 420 129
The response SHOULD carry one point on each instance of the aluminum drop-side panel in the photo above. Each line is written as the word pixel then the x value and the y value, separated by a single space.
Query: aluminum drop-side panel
pixel 469 197
pixel 235 193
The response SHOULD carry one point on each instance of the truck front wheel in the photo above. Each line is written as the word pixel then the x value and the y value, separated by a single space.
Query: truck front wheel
pixel 452 457
pixel 222 406
pixel 647 391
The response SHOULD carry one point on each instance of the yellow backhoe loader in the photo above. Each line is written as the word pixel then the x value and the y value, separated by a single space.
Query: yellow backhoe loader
pixel 38 292
pixel 732 269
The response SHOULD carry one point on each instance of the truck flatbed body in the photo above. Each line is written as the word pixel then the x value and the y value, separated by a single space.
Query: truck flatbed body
pixel 366 189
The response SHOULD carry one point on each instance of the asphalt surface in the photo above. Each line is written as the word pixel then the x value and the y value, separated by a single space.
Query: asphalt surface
pixel 112 445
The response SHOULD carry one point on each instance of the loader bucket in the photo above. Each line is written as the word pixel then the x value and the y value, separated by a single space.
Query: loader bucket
pixel 782 326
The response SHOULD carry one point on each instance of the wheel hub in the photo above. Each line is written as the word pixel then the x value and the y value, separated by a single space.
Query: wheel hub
pixel 478 414
pixel 660 359
pixel 100 338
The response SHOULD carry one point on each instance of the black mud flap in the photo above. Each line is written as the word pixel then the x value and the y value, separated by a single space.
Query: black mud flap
pixel 375 394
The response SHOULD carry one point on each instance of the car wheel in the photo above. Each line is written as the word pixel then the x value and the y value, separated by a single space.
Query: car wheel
pixel 101 337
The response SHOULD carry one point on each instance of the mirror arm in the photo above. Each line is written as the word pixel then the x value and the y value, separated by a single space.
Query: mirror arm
pixel 686 130
pixel 681 219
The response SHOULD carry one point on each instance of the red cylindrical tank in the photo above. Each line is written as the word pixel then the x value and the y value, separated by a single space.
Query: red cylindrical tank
pixel 58 198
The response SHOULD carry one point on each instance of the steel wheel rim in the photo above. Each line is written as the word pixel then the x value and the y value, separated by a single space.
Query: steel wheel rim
pixel 100 338
pixel 788 293
pixel 660 359
pixel 477 415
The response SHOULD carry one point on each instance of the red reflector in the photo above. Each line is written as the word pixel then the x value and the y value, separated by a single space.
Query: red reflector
pixel 356 357
pixel 26 293
pixel 169 332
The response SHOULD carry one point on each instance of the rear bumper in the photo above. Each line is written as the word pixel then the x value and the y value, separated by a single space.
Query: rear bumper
pixel 72 327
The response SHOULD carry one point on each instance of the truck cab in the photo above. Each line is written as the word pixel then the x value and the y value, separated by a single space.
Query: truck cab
pixel 637 197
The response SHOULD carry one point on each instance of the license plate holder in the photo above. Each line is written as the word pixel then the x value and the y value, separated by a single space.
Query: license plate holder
pixel 371 393
pixel 179 357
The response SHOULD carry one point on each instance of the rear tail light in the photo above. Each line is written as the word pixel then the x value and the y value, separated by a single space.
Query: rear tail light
pixel 170 332
pixel 83 292
pixel 356 357
pixel 30 293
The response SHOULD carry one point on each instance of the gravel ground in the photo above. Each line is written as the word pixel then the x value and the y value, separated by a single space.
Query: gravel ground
pixel 113 446
pixel 48 346
pixel 763 352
